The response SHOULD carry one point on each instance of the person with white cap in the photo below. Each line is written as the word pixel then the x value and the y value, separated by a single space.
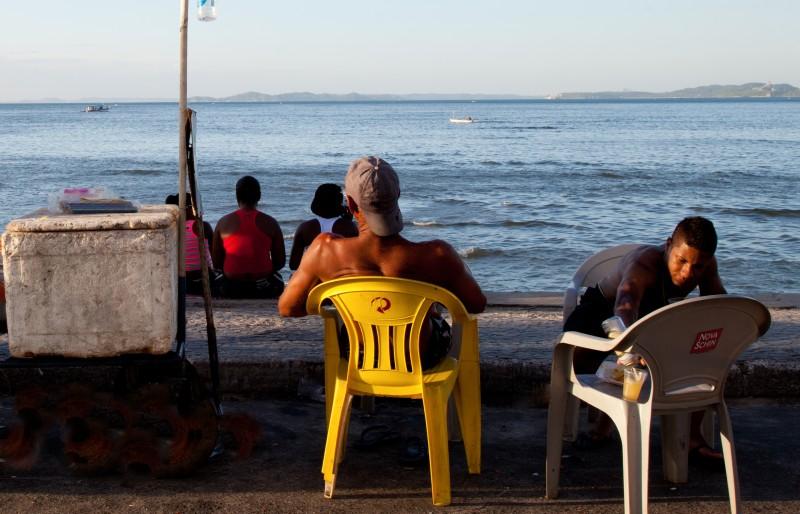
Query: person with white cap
pixel 373 189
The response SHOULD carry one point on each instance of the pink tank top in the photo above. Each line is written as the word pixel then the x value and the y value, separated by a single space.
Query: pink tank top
pixel 247 251
pixel 192 249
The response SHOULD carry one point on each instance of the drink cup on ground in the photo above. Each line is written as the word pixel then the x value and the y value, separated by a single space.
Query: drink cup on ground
pixel 632 383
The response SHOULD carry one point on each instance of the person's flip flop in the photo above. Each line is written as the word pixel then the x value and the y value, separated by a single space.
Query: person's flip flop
pixel 707 458
pixel 376 435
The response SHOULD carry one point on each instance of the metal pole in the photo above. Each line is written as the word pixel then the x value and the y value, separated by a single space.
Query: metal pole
pixel 184 29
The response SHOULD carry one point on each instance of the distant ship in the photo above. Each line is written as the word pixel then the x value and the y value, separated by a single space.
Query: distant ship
pixel 465 119
pixel 96 108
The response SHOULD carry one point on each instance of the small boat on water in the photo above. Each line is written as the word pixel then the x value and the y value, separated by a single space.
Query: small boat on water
pixel 465 119
pixel 96 108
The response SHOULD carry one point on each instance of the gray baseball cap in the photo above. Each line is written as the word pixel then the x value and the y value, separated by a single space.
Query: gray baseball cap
pixel 374 186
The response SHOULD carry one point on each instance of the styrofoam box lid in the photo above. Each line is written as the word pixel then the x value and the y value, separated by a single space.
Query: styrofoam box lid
pixel 149 217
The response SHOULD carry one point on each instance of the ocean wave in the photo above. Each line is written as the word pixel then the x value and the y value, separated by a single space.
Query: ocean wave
pixel 550 162
pixel 610 174
pixel 754 212
pixel 503 223
pixel 491 163
pixel 435 223
pixel 136 172
pixel 514 162
pixel 534 223
pixel 534 127
pixel 475 252
pixel 423 223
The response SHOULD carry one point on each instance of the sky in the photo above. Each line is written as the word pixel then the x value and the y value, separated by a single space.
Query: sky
pixel 115 49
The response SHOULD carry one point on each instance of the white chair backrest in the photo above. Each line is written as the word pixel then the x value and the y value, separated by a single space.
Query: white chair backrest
pixel 689 346
pixel 592 271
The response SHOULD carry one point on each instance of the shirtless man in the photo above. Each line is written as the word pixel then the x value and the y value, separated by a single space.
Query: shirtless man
pixel 372 190
pixel 248 247
pixel 647 279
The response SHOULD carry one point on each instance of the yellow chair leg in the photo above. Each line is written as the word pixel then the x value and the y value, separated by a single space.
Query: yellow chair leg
pixel 435 406
pixel 333 442
pixel 467 395
pixel 345 429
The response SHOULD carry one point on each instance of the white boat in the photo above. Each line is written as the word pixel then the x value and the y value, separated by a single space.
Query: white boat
pixel 465 119
pixel 96 108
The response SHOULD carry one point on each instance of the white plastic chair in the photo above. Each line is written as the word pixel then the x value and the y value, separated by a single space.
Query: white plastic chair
pixel 589 274
pixel 592 271
pixel 689 348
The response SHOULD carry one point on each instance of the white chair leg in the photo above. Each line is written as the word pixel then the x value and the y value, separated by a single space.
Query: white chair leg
pixel 675 447
pixel 633 423
pixel 729 453
pixel 571 419
pixel 555 426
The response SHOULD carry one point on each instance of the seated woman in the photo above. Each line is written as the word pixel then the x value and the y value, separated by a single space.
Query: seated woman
pixel 194 278
pixel 248 247
pixel 331 216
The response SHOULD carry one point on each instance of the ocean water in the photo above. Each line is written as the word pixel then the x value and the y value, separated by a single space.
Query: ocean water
pixel 524 195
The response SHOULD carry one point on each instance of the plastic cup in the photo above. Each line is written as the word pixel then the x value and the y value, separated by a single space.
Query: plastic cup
pixel 632 383
pixel 613 327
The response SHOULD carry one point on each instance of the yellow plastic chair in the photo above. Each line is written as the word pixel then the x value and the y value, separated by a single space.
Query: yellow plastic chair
pixel 689 348
pixel 383 317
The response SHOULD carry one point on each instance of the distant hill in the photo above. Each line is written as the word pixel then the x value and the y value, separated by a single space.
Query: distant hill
pixel 749 90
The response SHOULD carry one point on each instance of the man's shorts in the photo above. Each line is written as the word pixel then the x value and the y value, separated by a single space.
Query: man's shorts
pixel 588 318
pixel 268 287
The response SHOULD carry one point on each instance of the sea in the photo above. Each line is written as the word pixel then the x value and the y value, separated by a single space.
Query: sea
pixel 524 194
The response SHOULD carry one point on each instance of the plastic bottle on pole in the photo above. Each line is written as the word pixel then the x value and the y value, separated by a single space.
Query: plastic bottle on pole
pixel 206 10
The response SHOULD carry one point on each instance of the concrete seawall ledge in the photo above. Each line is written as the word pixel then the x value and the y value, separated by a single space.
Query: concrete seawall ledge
pixel 549 299
pixel 264 354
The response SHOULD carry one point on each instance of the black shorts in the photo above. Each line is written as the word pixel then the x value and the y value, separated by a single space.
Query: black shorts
pixel 194 282
pixel 588 318
pixel 268 287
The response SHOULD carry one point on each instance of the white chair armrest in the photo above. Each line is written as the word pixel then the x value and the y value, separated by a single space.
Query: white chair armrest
pixel 581 340
pixel 570 302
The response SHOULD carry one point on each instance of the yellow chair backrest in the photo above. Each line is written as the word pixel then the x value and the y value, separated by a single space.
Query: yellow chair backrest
pixel 384 318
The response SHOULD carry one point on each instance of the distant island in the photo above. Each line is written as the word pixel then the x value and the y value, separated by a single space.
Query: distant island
pixel 749 90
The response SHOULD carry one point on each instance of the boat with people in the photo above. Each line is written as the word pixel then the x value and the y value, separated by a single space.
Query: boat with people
pixel 96 108
pixel 465 119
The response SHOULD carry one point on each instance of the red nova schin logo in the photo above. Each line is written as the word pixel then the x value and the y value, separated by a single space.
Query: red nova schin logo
pixel 706 340
pixel 383 304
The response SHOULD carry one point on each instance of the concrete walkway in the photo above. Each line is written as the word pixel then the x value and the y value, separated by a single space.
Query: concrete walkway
pixel 283 474
pixel 260 352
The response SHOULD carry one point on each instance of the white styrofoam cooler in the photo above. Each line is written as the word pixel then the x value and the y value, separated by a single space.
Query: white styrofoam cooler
pixel 96 285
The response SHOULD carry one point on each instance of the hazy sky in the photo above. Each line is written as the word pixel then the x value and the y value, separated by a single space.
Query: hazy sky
pixel 112 48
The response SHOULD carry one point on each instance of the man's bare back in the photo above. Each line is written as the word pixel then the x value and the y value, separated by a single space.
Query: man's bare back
pixel 331 256
pixel 372 192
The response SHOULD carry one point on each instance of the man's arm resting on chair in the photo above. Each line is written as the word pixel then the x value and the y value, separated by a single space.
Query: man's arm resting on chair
pixel 292 302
